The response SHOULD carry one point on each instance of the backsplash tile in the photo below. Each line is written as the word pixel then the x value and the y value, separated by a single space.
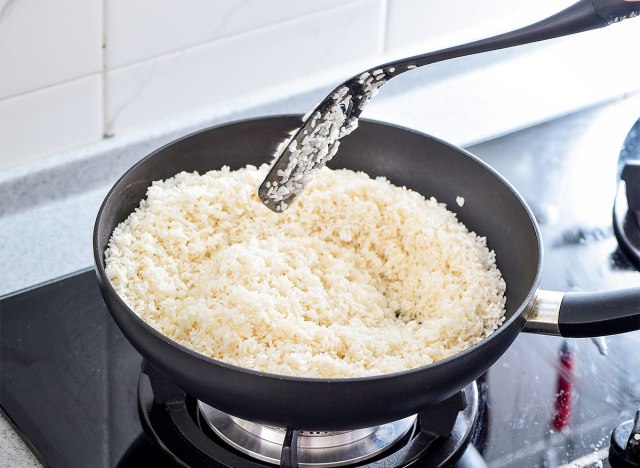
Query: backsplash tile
pixel 46 42
pixel 49 120
pixel 142 29
pixel 230 68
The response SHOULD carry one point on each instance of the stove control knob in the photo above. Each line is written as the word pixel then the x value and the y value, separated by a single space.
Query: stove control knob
pixel 625 444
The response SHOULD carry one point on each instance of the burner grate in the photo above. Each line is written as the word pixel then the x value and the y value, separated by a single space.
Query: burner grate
pixel 626 208
pixel 182 428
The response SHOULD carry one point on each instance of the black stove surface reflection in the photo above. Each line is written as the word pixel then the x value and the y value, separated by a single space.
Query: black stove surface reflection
pixel 69 379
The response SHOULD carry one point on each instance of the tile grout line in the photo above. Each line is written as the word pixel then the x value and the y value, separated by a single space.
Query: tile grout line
pixel 104 81
pixel 46 87
pixel 384 27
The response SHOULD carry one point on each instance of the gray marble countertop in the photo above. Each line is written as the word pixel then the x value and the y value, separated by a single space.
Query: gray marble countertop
pixel 47 209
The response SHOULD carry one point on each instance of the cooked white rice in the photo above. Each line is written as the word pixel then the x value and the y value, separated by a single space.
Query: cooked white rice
pixel 360 278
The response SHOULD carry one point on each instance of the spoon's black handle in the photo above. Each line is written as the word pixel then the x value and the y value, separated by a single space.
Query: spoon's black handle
pixel 613 11
pixel 583 15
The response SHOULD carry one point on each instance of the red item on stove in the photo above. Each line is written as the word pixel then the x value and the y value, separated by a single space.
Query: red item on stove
pixel 564 388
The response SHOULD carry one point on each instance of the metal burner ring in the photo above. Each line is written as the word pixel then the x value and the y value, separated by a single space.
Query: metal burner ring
pixel 315 448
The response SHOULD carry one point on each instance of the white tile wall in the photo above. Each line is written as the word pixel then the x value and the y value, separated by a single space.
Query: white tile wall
pixel 243 64
pixel 142 29
pixel 50 120
pixel 45 42
pixel 166 58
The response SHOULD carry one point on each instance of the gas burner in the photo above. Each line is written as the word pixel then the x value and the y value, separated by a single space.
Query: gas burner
pixel 626 209
pixel 195 434
pixel 315 448
pixel 626 212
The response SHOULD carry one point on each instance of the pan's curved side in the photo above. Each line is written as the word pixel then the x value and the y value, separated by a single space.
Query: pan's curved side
pixel 422 163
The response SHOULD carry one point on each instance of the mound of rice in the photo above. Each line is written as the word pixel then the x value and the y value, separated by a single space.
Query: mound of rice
pixel 359 278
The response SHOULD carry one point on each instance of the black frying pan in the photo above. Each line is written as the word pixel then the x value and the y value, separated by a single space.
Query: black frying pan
pixel 420 162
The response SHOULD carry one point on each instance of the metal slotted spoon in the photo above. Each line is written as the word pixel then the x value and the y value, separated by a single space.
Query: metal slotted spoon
pixel 318 139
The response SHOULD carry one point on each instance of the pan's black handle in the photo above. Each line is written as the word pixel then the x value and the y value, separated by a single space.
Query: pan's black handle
pixel 599 314
pixel 582 315
pixel 583 15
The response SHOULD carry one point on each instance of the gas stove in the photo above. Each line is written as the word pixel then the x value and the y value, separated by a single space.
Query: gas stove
pixel 80 395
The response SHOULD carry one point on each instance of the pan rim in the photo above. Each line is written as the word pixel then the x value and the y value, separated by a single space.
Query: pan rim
pixel 105 283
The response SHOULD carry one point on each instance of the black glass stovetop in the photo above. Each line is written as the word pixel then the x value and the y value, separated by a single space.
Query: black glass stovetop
pixel 68 378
